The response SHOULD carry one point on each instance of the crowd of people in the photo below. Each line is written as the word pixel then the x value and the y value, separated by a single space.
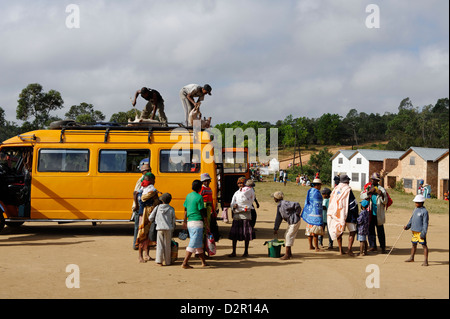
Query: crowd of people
pixel 325 212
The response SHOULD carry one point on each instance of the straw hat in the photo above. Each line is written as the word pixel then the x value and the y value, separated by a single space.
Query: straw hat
pixel 250 183
pixel 317 181
pixel 278 195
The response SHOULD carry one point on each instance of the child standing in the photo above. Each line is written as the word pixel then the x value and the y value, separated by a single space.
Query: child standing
pixel 326 200
pixel 363 227
pixel 419 227
pixel 164 217
pixel 251 183
pixel 211 215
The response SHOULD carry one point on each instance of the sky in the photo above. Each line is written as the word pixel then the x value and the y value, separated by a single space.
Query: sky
pixel 264 59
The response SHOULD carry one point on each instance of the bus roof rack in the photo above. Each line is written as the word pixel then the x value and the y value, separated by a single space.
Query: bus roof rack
pixel 129 126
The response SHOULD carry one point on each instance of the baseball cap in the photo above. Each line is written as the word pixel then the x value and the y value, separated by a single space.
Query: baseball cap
pixel 208 88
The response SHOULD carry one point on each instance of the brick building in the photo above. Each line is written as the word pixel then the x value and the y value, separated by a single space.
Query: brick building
pixel 416 164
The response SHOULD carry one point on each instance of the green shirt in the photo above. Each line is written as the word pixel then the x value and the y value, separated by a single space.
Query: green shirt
pixel 193 204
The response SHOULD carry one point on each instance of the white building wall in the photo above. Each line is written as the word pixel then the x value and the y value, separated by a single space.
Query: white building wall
pixel 337 167
pixel 358 172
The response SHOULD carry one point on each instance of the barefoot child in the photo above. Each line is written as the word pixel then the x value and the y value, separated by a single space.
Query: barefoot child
pixel 363 227
pixel 164 217
pixel 419 227
pixel 326 199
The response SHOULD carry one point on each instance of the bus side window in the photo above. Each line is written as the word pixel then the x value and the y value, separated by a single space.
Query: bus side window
pixel 63 160
pixel 186 161
pixel 121 161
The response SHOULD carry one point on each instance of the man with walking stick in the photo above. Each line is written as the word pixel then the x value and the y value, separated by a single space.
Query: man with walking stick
pixel 377 197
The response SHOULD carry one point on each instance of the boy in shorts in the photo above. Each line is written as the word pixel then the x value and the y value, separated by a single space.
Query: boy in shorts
pixel 419 226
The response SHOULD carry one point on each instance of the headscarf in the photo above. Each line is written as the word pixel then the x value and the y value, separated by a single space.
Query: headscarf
pixel 241 180
pixel 149 174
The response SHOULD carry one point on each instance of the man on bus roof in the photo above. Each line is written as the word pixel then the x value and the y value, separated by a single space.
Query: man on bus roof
pixel 155 101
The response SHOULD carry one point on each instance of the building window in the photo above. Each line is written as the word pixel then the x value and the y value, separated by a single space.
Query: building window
pixel 358 160
pixel 412 160
pixel 340 160
pixel 355 177
pixel 407 183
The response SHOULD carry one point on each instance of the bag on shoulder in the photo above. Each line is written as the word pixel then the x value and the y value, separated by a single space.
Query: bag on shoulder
pixel 389 200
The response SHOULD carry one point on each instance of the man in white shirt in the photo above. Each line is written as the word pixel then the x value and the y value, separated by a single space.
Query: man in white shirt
pixel 187 95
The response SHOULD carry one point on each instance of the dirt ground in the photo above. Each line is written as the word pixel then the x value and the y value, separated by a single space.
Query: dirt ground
pixel 35 256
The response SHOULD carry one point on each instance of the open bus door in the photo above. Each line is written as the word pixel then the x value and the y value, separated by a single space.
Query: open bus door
pixel 15 184
pixel 234 165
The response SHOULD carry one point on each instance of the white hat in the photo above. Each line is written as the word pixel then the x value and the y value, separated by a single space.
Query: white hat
pixel 419 199
pixel 317 181
pixel 205 177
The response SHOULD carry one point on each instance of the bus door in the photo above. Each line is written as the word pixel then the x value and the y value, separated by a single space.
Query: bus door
pixel 15 181
pixel 234 165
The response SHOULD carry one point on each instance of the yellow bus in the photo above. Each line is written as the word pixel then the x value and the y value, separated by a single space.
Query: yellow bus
pixel 88 173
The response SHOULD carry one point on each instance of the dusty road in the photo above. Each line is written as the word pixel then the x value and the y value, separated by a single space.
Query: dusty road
pixel 34 260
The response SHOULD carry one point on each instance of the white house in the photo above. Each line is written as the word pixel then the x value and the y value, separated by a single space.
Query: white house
pixel 340 163
pixel 363 163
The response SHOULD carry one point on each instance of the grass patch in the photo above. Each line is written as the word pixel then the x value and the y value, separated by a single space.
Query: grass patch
pixel 295 193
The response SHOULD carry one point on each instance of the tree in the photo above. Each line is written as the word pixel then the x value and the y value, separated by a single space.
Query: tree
pixel 123 117
pixel 327 129
pixel 84 113
pixel 321 162
pixel 403 130
pixel 36 105
pixel 7 129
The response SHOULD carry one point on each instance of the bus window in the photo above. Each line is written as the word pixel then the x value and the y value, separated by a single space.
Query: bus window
pixel 121 161
pixel 178 160
pixel 63 160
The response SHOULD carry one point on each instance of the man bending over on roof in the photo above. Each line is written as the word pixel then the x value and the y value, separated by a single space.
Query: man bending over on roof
pixel 155 101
